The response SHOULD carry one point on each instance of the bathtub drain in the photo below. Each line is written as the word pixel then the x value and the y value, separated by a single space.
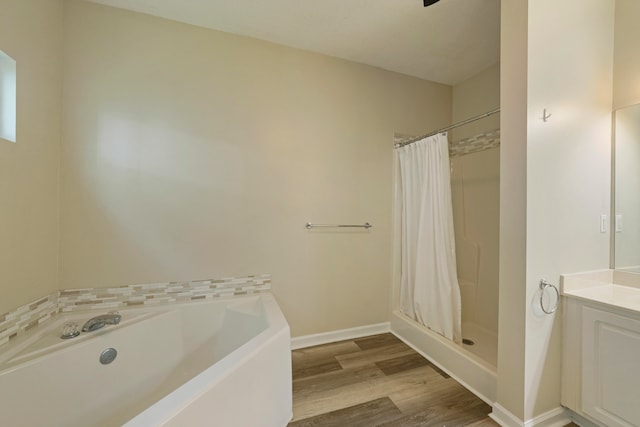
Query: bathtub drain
pixel 108 356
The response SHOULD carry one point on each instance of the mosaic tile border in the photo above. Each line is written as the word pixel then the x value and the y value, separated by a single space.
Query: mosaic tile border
pixel 20 320
pixel 27 316
pixel 476 143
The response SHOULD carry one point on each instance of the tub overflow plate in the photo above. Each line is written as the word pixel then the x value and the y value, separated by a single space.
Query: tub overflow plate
pixel 108 356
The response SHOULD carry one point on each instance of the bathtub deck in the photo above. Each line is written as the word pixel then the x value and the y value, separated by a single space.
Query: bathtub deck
pixel 378 381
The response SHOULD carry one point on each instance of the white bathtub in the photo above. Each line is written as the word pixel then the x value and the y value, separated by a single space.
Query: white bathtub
pixel 220 363
pixel 467 368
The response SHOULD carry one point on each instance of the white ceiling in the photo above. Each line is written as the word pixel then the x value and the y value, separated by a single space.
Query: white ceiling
pixel 447 42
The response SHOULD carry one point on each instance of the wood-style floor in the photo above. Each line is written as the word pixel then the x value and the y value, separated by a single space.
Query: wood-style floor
pixel 378 381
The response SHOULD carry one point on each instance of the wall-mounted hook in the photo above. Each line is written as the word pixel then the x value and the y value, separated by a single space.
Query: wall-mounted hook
pixel 545 115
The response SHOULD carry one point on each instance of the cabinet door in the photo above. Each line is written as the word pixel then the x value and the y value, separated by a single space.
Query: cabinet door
pixel 611 368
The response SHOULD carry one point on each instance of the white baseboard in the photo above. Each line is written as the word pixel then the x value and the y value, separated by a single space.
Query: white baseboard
pixel 504 417
pixel 581 421
pixel 339 335
pixel 557 417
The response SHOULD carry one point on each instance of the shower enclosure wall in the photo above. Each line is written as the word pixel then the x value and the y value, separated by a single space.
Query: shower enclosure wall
pixel 475 178
pixel 475 187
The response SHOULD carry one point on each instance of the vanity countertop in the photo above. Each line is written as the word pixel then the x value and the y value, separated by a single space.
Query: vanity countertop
pixel 604 287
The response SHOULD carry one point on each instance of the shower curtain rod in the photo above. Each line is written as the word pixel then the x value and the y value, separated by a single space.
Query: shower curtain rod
pixel 453 126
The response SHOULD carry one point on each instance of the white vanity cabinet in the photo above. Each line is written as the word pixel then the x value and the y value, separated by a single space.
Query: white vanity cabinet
pixel 601 356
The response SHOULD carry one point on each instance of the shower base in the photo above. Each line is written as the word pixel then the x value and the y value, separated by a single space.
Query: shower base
pixel 485 342
pixel 466 367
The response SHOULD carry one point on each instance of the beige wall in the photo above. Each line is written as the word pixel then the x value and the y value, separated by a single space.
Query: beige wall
pixel 568 167
pixel 555 180
pixel 513 205
pixel 475 186
pixel 626 81
pixel 190 153
pixel 477 95
pixel 31 33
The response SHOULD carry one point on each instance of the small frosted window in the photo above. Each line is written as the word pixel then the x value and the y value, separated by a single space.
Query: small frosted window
pixel 7 97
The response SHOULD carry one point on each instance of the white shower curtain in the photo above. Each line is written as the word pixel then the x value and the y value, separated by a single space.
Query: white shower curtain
pixel 429 290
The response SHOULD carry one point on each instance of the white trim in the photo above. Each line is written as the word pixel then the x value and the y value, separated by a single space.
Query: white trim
pixel 581 420
pixel 504 417
pixel 450 372
pixel 466 368
pixel 557 417
pixel 339 335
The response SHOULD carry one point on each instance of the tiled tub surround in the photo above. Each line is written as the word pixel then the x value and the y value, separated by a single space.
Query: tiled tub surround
pixel 22 319
pixel 192 363
pixel 28 316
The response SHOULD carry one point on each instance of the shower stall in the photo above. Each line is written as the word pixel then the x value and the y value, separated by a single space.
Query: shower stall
pixel 474 161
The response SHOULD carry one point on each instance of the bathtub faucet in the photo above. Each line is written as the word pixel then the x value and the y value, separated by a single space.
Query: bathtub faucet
pixel 101 321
